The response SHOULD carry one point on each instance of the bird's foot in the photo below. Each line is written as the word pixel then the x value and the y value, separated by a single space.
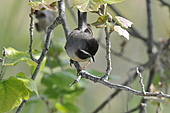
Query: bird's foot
pixel 71 62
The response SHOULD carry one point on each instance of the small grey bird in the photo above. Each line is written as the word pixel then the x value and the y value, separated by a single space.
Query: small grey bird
pixel 81 45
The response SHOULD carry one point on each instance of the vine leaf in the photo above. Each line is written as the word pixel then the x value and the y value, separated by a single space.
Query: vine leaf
pixel 121 31
pixel 123 22
pixel 111 1
pixel 45 5
pixel 101 22
pixel 12 93
pixel 87 5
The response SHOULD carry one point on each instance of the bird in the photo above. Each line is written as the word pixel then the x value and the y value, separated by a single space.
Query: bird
pixel 81 46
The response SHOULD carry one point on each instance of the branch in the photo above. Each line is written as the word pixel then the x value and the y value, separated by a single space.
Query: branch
pixel 31 35
pixel 116 92
pixel 46 45
pixel 62 15
pixel 56 22
pixel 85 74
pixel 141 81
pixel 165 3
pixel 150 25
pixel 108 56
pixel 2 62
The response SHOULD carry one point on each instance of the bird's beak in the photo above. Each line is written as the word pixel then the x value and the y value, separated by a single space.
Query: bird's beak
pixel 93 58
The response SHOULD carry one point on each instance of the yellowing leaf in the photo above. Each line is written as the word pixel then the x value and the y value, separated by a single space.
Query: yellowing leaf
pixel 101 21
pixel 111 1
pixel 12 93
pixel 121 31
pixel 124 22
pixel 87 5
pixel 46 5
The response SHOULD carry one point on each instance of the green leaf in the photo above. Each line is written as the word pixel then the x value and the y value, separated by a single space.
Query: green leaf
pixel 101 21
pixel 45 5
pixel 12 93
pixel 61 79
pixel 67 108
pixel 28 82
pixel 121 32
pixel 87 5
pixel 123 22
pixel 111 1
pixel 17 56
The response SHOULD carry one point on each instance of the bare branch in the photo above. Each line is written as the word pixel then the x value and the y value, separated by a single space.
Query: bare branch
pixel 62 15
pixel 150 25
pixel 21 106
pixel 95 79
pixel 165 3
pixel 108 55
pixel 31 35
pixel 141 81
pixel 2 60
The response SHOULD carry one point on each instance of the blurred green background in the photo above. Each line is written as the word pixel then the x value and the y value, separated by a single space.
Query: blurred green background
pixel 14 32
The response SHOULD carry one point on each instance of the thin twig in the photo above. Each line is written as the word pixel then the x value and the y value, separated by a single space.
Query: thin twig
pixel 165 3
pixel 77 80
pixel 47 104
pixel 141 81
pixel 3 63
pixel 31 35
pixel 46 45
pixel 108 54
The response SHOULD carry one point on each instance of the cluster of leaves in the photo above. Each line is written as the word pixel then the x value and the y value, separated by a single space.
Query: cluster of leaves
pixel 82 5
pixel 103 21
pixel 17 88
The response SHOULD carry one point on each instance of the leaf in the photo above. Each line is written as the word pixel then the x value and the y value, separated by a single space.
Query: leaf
pixel 17 56
pixel 87 5
pixel 101 21
pixel 123 22
pixel 61 79
pixel 28 82
pixel 121 31
pixel 111 1
pixel 46 5
pixel 67 108
pixel 12 93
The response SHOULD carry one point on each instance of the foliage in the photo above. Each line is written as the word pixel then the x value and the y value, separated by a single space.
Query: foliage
pixel 56 76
